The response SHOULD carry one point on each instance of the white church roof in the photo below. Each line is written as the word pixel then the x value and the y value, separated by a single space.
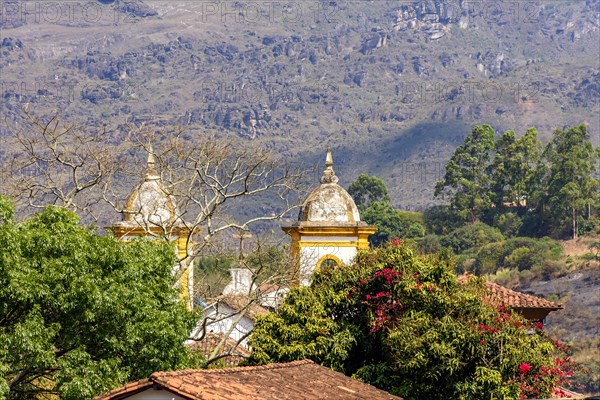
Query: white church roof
pixel 150 204
pixel 329 202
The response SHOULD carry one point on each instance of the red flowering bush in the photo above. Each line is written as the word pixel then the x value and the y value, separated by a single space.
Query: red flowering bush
pixel 524 368
pixel 406 325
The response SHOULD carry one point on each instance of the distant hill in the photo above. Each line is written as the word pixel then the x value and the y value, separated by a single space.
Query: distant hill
pixel 392 86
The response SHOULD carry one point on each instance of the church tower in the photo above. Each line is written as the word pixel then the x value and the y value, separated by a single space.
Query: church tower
pixel 329 231
pixel 151 211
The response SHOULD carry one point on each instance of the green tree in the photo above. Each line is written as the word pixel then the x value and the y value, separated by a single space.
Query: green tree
pixel 406 325
pixel 467 178
pixel 389 224
pixel 571 188
pixel 513 168
pixel 81 313
pixel 470 236
pixel 366 190
pixel 440 220
pixel 371 197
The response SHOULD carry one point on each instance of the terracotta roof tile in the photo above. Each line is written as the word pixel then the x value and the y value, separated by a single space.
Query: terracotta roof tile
pixel 511 298
pixel 210 341
pixel 125 391
pixel 296 380
pixel 271 287
pixel 239 302
pixel 514 299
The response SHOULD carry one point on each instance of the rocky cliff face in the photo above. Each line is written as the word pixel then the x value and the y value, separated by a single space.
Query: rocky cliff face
pixel 382 79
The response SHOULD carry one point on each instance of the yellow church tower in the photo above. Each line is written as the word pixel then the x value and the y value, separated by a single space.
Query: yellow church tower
pixel 151 211
pixel 329 231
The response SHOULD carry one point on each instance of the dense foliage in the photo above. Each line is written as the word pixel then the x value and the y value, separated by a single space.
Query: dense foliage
pixel 469 236
pixel 405 324
pixel 82 313
pixel 370 194
pixel 367 189
pixel 509 182
pixel 468 176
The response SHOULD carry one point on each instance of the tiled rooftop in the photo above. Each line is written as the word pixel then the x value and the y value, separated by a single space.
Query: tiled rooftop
pixel 239 303
pixel 516 299
pixel 511 298
pixel 211 340
pixel 128 390
pixel 298 380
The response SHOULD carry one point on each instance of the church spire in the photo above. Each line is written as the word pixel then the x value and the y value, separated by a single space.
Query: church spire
pixel 151 172
pixel 329 173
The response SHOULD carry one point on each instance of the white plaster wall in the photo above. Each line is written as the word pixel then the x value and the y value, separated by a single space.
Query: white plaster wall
pixel 309 256
pixel 152 394
pixel 225 317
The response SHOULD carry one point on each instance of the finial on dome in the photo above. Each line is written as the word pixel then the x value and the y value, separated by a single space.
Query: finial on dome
pixel 151 172
pixel 329 173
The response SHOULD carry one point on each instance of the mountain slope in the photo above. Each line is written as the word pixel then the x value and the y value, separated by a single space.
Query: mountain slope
pixel 393 86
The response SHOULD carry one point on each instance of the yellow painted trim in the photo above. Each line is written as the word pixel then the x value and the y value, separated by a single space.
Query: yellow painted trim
pixel 184 294
pixel 328 231
pixel 327 244
pixel 295 253
pixel 328 257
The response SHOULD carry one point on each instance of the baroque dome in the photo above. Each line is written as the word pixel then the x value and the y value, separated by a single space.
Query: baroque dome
pixel 150 204
pixel 329 202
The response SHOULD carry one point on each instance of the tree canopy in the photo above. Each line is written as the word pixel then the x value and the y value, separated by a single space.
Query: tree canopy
pixel 467 177
pixel 370 194
pixel 81 313
pixel 509 182
pixel 366 190
pixel 571 189
pixel 406 325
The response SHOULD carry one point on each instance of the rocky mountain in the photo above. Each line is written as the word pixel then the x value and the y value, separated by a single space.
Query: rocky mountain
pixel 392 86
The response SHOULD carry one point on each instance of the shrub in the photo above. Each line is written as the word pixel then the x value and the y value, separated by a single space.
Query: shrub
pixel 509 224
pixel 470 236
pixel 523 258
pixel 429 244
pixel 506 277
pixel 440 220
pixel 405 324
pixel 521 253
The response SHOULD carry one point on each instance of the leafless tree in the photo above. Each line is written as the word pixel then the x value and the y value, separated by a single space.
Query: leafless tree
pixel 270 266
pixel 214 180
pixel 50 162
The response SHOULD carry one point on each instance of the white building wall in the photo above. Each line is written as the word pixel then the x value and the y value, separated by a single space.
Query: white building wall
pixel 152 394
pixel 310 255
pixel 224 317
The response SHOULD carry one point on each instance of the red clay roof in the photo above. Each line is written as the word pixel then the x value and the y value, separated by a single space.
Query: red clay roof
pixel 211 340
pixel 298 380
pixel 126 391
pixel 511 298
pixel 516 299
pixel 240 302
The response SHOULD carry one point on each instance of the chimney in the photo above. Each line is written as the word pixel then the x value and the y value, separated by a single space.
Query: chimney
pixel 241 282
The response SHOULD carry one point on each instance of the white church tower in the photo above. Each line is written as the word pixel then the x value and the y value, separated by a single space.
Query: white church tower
pixel 329 231
pixel 152 212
